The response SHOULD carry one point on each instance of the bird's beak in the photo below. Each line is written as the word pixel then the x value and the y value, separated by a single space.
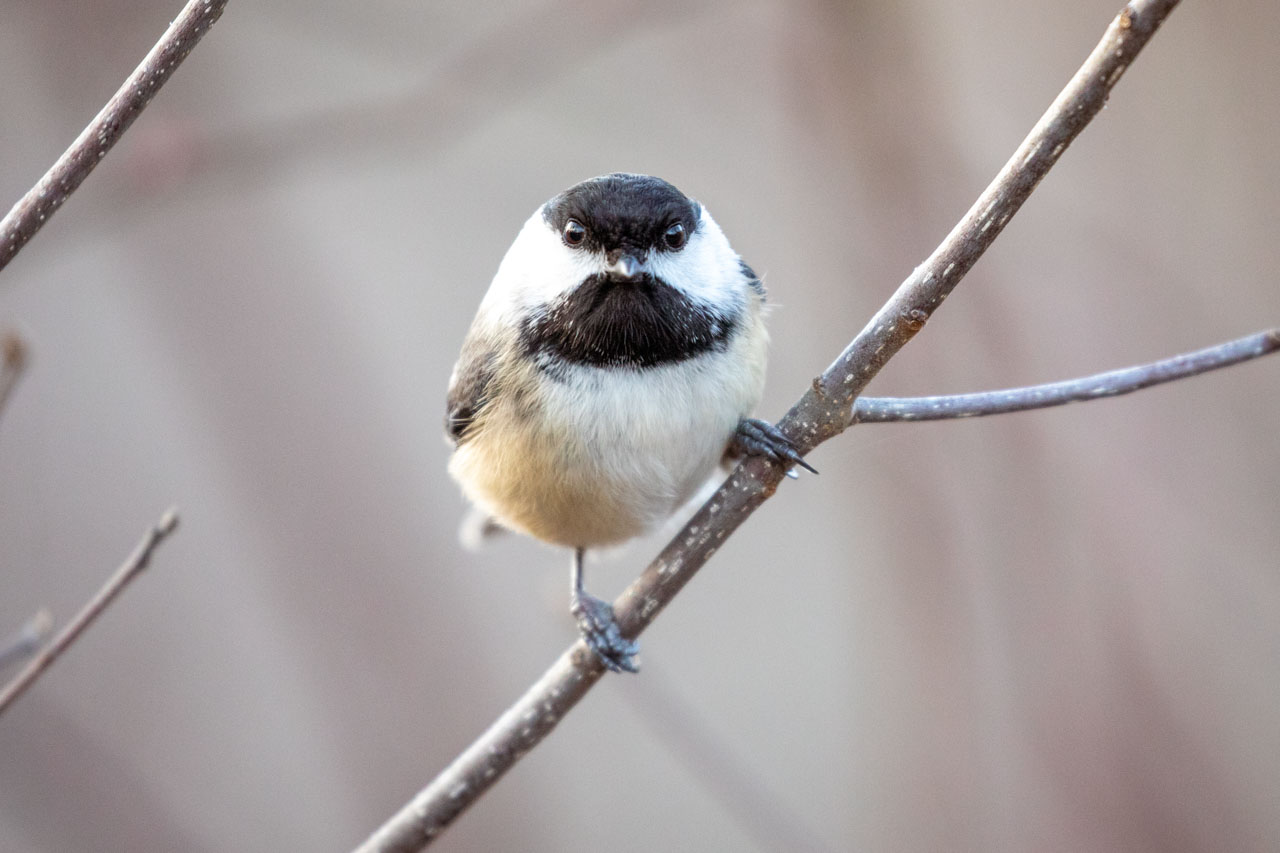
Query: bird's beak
pixel 627 268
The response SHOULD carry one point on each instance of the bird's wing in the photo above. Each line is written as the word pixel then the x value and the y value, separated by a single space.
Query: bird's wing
pixel 469 388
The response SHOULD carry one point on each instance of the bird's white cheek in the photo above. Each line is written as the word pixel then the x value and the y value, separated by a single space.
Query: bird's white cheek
pixel 706 269
pixel 536 269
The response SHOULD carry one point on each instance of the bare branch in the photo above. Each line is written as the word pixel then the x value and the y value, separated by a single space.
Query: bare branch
pixel 870 410
pixel 41 201
pixel 131 568
pixel 12 363
pixel 28 640
pixel 823 412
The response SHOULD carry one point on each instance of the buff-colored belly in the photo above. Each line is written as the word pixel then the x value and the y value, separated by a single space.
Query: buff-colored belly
pixel 594 457
pixel 571 490
pixel 602 458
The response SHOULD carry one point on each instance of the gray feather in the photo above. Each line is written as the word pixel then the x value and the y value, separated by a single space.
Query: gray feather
pixel 469 391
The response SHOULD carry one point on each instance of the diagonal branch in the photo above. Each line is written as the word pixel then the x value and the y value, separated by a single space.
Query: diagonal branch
pixel 879 410
pixel 42 201
pixel 130 569
pixel 824 411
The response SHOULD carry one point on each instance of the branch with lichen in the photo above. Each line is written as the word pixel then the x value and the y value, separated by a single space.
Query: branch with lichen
pixel 879 410
pixel 43 200
pixel 27 217
pixel 828 408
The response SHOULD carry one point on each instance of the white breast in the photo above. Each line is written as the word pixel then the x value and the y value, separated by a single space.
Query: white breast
pixel 597 456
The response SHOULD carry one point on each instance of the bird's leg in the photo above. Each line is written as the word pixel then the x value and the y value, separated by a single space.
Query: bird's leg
pixel 755 437
pixel 598 627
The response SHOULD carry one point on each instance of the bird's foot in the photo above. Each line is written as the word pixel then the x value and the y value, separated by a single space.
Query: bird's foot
pixel 761 438
pixel 603 636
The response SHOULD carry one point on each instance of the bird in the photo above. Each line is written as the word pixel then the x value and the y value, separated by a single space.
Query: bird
pixel 611 368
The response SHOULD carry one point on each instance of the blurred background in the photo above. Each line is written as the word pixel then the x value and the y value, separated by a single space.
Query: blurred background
pixel 1058 630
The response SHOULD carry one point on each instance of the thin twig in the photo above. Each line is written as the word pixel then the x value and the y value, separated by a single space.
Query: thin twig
pixel 41 201
pixel 870 410
pixel 28 640
pixel 12 363
pixel 823 412
pixel 130 569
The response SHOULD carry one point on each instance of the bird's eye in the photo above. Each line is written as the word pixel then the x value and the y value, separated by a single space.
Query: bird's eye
pixel 574 233
pixel 675 237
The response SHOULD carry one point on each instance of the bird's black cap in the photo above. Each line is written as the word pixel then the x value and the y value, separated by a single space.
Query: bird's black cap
pixel 623 211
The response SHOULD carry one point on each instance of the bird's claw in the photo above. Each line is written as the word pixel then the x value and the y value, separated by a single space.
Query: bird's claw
pixel 761 438
pixel 600 630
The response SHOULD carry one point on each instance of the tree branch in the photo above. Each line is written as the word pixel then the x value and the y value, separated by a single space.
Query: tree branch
pixel 13 361
pixel 824 411
pixel 873 410
pixel 41 201
pixel 131 568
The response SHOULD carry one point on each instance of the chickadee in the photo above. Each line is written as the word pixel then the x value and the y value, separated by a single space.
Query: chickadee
pixel 610 368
